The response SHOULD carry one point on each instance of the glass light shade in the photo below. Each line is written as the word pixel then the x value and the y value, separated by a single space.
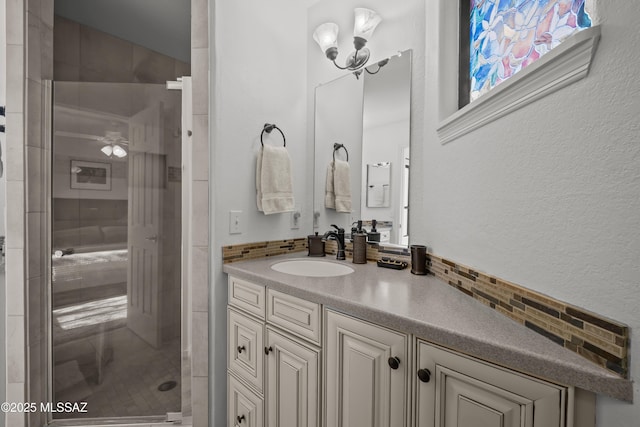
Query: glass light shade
pixel 366 22
pixel 107 150
pixel 119 151
pixel 326 35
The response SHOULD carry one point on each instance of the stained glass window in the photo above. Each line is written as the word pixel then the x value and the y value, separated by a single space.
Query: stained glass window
pixel 508 35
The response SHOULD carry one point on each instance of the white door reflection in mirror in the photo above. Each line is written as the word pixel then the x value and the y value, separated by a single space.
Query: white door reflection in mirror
pixel 378 185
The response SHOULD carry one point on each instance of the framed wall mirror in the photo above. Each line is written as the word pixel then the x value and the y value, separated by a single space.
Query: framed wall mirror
pixel 369 115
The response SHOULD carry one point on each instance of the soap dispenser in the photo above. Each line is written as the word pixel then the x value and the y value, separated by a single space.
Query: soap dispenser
pixel 315 245
pixel 374 235
pixel 359 239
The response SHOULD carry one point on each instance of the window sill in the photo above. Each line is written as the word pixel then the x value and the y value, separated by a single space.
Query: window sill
pixel 567 63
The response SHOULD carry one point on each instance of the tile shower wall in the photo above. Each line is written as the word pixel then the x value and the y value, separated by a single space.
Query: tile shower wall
pixel 600 340
pixel 85 54
pixel 30 53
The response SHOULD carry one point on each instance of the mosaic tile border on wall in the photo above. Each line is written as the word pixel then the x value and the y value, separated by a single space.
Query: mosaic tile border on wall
pixel 246 251
pixel 602 341
pixel 594 337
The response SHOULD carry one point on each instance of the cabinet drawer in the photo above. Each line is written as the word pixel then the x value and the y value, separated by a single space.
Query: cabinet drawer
pixel 245 348
pixel 247 296
pixel 296 315
pixel 245 408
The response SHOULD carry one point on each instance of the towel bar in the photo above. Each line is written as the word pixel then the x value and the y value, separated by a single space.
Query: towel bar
pixel 268 128
pixel 336 147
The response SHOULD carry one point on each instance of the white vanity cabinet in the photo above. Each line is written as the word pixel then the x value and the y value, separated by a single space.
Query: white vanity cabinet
pixel 293 363
pixel 453 390
pixel 367 374
pixel 273 358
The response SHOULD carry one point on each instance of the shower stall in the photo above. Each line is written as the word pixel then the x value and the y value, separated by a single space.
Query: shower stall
pixel 115 293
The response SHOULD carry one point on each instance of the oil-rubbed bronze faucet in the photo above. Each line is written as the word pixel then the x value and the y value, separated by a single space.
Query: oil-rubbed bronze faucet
pixel 338 235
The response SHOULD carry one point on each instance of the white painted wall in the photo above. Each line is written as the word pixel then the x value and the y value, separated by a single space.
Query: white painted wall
pixel 258 76
pixel 548 197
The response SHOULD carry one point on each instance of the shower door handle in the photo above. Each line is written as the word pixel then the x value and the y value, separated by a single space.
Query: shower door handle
pixel 153 239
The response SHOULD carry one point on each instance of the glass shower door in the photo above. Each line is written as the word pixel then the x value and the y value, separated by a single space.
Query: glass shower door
pixel 116 253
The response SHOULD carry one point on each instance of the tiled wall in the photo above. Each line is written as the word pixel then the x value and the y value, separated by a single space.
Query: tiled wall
pixel 30 63
pixel 84 54
pixel 598 339
pixel 601 340
pixel 247 251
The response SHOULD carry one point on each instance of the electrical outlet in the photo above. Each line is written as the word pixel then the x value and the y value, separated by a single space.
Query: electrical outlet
pixel 295 219
pixel 235 222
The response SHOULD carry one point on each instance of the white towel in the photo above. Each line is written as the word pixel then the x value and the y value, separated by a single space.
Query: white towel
pixel 274 183
pixel 329 195
pixel 342 185
pixel 337 193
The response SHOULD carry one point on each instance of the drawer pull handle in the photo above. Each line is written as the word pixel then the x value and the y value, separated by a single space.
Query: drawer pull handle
pixel 424 375
pixel 268 350
pixel 240 418
pixel 241 349
pixel 394 362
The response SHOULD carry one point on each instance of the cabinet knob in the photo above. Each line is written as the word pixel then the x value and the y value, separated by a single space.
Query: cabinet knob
pixel 424 375
pixel 241 349
pixel 394 362
pixel 240 418
pixel 268 350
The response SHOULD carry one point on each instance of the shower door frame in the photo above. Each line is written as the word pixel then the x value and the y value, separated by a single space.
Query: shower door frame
pixel 186 306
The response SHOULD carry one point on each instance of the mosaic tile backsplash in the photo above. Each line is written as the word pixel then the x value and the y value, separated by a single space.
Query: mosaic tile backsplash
pixel 594 337
pixel 601 340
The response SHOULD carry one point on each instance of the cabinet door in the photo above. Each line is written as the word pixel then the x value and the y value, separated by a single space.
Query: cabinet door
pixel 456 391
pixel 245 348
pixel 245 408
pixel 366 374
pixel 292 391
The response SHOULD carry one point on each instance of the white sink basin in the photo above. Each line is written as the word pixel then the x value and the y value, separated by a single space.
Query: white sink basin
pixel 312 268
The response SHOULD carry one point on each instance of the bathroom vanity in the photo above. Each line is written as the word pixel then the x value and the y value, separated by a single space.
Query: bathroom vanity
pixel 379 347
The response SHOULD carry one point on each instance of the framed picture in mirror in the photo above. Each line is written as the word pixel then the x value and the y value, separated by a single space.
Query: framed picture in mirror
pixel 90 175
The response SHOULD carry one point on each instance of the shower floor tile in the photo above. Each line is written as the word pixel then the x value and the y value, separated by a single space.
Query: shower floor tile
pixel 129 381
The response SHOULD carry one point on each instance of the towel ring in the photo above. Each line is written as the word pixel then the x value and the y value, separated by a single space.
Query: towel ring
pixel 268 128
pixel 336 147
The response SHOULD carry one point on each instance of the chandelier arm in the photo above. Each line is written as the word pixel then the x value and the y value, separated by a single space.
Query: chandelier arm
pixel 373 72
pixel 336 64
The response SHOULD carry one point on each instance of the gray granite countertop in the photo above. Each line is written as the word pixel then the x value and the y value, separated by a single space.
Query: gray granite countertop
pixel 430 309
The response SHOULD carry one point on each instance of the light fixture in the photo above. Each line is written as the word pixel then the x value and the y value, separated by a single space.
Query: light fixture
pixel 107 150
pixel 113 144
pixel 326 35
pixel 119 151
